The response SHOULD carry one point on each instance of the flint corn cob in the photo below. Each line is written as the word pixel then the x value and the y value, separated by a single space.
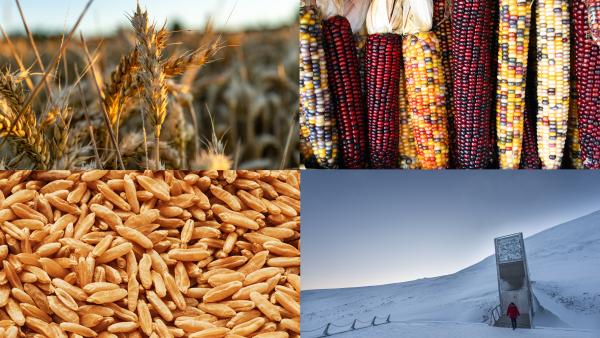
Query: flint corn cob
pixel 442 27
pixel 383 53
pixel 407 148
pixel 344 83
pixel 426 98
pixel 314 93
pixel 513 45
pixel 425 86
pixel 382 72
pixel 552 26
pixel 472 35
pixel 587 73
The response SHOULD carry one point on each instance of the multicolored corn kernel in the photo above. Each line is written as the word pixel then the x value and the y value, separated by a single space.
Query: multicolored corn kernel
pixel 553 71
pixel 307 156
pixel 382 77
pixel 407 147
pixel 426 90
pixel 472 82
pixel 513 45
pixel 587 75
pixel 314 92
pixel 346 92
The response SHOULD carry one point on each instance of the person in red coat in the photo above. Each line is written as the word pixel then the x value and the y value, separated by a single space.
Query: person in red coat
pixel 513 313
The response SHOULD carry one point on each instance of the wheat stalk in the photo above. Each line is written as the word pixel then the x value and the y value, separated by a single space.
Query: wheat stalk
pixel 149 48
pixel 94 78
pixel 17 57
pixel 34 48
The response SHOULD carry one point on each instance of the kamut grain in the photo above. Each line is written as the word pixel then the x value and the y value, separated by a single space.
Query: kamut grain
pixel 150 254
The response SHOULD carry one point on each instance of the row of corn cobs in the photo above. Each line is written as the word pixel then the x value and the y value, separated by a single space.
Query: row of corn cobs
pixel 496 83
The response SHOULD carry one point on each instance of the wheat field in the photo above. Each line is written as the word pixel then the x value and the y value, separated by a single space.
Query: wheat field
pixel 172 253
pixel 149 98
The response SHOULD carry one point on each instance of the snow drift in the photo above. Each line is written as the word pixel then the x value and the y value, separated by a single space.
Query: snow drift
pixel 564 265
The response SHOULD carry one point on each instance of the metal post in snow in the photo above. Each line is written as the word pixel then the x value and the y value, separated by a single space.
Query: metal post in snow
pixel 388 318
pixel 373 321
pixel 353 325
pixel 326 332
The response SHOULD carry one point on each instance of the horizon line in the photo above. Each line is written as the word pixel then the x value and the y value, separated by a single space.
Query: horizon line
pixel 449 274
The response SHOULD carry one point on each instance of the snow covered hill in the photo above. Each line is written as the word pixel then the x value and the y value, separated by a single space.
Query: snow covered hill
pixel 462 330
pixel 564 264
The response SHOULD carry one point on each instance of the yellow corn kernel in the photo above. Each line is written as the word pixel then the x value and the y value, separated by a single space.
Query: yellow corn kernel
pixel 407 146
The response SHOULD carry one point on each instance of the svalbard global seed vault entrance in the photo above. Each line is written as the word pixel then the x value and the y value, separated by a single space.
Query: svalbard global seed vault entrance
pixel 513 280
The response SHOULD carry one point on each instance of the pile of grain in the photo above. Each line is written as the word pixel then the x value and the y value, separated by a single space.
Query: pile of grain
pixel 157 254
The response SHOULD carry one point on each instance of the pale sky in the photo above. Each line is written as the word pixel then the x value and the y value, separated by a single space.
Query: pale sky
pixel 106 15
pixel 376 227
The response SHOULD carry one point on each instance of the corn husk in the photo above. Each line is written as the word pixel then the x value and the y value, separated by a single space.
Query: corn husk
pixel 384 16
pixel 417 16
pixel 353 10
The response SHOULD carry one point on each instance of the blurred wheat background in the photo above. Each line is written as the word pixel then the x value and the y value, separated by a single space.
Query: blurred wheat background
pixel 218 95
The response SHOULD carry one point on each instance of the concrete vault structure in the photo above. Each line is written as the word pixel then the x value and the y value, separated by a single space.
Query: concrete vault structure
pixel 513 280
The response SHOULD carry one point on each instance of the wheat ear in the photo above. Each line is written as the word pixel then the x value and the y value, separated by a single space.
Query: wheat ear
pixel 150 44
pixel 120 81
pixel 198 58
pixel 53 64
pixel 24 133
